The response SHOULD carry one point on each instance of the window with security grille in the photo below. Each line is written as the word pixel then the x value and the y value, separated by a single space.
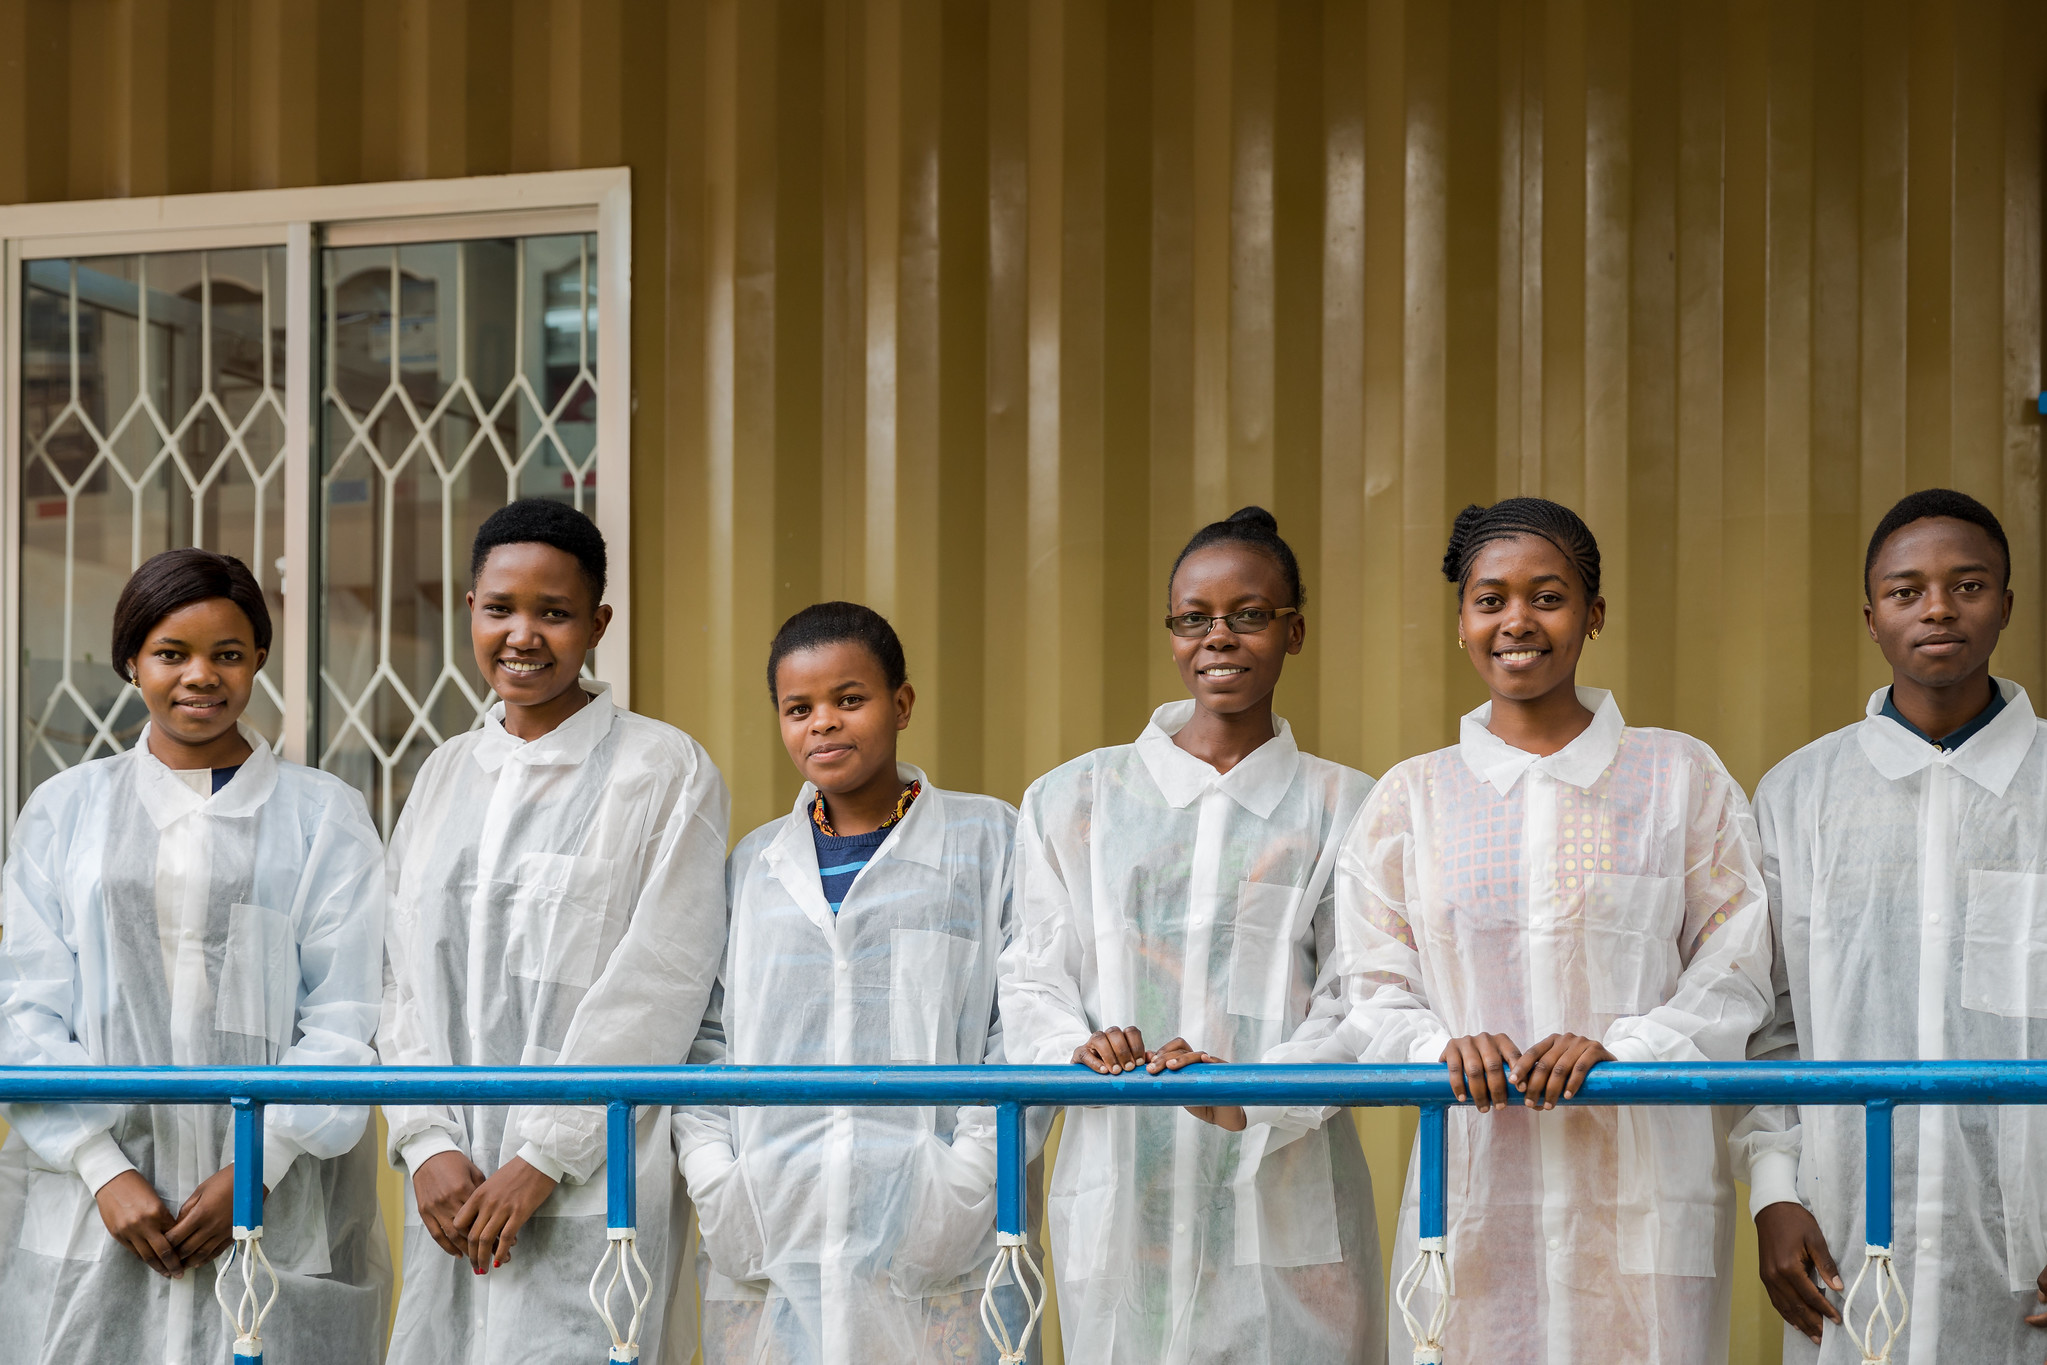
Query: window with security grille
pixel 152 416
pixel 455 377
pixel 334 385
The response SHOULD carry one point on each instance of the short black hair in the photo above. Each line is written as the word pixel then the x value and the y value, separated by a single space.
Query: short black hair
pixel 543 521
pixel 1477 527
pixel 174 580
pixel 1257 528
pixel 835 623
pixel 1933 502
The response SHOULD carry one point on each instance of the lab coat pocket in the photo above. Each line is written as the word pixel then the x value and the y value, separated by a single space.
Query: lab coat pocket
pixel 259 976
pixel 927 984
pixel 62 1219
pixel 557 915
pixel 1631 930
pixel 2004 945
pixel 730 1224
pixel 950 1218
pixel 1286 1201
pixel 1262 950
pixel 1667 1212
pixel 2022 1180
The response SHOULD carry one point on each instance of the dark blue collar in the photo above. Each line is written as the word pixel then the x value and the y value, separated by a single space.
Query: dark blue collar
pixel 1948 743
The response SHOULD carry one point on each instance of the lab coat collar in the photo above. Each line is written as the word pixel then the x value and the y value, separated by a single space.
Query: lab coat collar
pixel 1258 783
pixel 791 856
pixel 168 800
pixel 1579 763
pixel 567 743
pixel 1990 758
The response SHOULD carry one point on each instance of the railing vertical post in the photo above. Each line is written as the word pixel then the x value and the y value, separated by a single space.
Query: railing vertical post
pixel 1011 1171
pixel 248 1230
pixel 1430 1144
pixel 621 1194
pixel 1876 1201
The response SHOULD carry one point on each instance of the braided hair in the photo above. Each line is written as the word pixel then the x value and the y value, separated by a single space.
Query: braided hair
pixel 1257 528
pixel 1477 527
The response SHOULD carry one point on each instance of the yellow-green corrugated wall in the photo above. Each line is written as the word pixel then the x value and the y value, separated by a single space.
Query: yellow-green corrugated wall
pixel 973 310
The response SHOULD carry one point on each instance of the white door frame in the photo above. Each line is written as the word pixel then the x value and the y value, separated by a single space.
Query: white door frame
pixel 301 221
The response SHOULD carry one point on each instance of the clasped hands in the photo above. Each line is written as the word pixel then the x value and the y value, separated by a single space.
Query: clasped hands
pixel 1113 1051
pixel 1481 1064
pixel 475 1218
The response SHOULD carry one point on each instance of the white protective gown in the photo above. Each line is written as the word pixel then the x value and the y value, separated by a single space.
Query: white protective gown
pixel 559 901
pixel 1154 891
pixel 1910 893
pixel 854 1235
pixel 1609 890
pixel 148 925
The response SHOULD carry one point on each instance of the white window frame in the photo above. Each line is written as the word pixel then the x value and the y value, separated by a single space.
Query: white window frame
pixel 303 221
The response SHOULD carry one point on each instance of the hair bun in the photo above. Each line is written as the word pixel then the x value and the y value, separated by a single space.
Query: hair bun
pixel 1257 516
pixel 1461 528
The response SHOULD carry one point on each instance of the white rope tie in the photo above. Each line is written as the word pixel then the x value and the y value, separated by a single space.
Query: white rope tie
pixel 1011 1256
pixel 248 1312
pixel 622 1245
pixel 1887 1282
pixel 1433 1268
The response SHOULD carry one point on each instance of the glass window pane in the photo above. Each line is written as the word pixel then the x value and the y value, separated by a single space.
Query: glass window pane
pixel 152 417
pixel 455 377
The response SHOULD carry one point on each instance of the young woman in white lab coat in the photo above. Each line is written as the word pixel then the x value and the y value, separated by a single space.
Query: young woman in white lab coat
pixel 866 925
pixel 1176 905
pixel 556 897
pixel 194 901
pixel 1556 890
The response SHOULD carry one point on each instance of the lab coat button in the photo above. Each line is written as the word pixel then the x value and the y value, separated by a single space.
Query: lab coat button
pixel 1933 918
pixel 842 965
pixel 1926 1244
pixel 1555 1242
pixel 191 934
pixel 1180 1228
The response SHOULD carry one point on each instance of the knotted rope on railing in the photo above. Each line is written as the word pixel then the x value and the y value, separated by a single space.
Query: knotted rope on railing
pixel 1431 1266
pixel 248 1312
pixel 624 1347
pixel 1012 1256
pixel 1887 1282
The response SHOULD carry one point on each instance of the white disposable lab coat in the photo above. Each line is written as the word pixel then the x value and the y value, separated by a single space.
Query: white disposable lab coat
pixel 148 925
pixel 1909 889
pixel 849 1235
pixel 558 901
pixel 1153 890
pixel 1610 890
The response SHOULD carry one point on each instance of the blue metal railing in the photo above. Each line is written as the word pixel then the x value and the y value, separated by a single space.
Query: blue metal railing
pixel 1878 1087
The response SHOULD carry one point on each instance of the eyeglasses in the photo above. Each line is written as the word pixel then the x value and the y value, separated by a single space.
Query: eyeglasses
pixel 1192 625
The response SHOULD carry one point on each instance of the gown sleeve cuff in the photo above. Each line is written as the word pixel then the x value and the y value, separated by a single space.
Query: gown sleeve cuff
pixel 542 1162
pixel 278 1154
pixel 417 1151
pixel 1773 1179
pixel 99 1159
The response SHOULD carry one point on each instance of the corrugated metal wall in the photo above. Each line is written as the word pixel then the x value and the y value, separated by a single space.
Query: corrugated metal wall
pixel 973 311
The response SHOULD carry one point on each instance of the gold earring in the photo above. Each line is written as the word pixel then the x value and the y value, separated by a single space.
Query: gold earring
pixel 1593 636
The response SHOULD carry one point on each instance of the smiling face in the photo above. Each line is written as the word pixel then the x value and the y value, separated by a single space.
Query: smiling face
pixel 1524 617
pixel 1224 672
pixel 1938 600
pixel 532 620
pixel 196 671
pixel 839 716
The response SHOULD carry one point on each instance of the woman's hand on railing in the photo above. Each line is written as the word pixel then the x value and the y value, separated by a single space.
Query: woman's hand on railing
pixel 1790 1249
pixel 498 1209
pixel 440 1187
pixel 137 1219
pixel 206 1223
pixel 1555 1068
pixel 1112 1051
pixel 1478 1067
pixel 1178 1054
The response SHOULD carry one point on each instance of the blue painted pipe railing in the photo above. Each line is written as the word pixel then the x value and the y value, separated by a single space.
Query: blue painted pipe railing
pixel 1877 1086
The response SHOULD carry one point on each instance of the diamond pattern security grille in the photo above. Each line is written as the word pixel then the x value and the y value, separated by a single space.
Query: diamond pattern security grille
pixel 152 410
pixel 456 376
